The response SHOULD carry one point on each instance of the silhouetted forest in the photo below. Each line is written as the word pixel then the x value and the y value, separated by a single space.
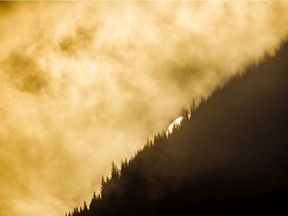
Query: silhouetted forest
pixel 228 158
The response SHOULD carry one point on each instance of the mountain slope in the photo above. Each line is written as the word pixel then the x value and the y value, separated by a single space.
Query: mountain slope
pixel 230 157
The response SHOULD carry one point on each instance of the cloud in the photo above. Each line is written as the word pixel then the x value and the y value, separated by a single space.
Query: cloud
pixel 82 84
pixel 24 73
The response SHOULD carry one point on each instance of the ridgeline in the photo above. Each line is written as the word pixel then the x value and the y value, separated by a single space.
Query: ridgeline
pixel 230 157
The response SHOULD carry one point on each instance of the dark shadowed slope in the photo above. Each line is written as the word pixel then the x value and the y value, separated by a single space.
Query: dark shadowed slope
pixel 229 158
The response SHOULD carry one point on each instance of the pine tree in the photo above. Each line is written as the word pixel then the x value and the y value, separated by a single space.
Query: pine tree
pixel 115 175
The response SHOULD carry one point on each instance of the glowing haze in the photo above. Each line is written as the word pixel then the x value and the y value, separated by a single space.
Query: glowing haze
pixel 82 84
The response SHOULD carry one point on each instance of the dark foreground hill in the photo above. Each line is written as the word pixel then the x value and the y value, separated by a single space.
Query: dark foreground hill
pixel 229 158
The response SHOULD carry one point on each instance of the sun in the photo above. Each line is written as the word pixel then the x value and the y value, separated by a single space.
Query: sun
pixel 176 122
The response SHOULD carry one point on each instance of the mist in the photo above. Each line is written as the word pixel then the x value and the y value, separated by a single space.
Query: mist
pixel 83 84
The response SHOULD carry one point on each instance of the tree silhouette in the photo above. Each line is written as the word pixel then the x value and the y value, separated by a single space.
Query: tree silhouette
pixel 229 156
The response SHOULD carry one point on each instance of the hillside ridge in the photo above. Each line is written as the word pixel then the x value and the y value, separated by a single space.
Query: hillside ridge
pixel 229 157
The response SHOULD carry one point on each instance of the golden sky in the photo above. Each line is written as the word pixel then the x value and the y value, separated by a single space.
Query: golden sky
pixel 82 84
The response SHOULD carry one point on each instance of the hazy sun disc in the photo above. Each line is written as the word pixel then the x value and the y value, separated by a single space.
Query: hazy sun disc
pixel 176 122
